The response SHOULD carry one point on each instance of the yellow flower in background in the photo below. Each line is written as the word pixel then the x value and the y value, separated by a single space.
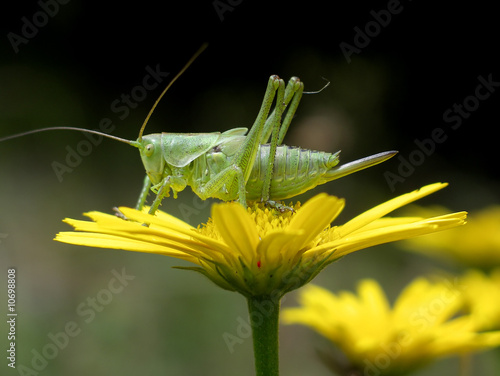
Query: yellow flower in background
pixel 475 245
pixel 482 297
pixel 425 323
pixel 257 251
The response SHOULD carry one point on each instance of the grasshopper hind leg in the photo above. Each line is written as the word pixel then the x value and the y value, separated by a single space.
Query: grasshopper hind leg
pixel 276 127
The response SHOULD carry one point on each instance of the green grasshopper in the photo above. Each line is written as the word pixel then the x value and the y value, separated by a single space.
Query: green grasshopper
pixel 236 165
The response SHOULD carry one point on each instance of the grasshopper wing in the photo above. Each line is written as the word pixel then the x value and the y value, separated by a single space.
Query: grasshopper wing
pixel 180 149
pixel 235 132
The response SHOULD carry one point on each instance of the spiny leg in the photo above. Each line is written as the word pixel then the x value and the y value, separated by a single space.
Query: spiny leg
pixel 274 124
pixel 293 93
pixel 242 163
pixel 144 193
pixel 140 202
pixel 296 90
pixel 245 159
pixel 224 180
pixel 163 192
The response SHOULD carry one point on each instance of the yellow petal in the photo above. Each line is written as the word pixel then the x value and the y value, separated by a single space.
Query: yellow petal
pixel 162 220
pixel 116 242
pixel 237 229
pixel 374 297
pixel 315 215
pixel 366 329
pixel 387 207
pixel 364 239
pixel 278 246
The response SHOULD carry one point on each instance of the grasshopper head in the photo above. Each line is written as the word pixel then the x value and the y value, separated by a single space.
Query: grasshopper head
pixel 151 155
pixel 150 146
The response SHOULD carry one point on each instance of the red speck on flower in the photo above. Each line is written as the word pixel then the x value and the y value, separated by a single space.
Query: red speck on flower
pixel 258 264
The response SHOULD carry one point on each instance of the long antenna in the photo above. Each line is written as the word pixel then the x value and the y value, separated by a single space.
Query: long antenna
pixel 67 129
pixel 133 143
pixel 193 58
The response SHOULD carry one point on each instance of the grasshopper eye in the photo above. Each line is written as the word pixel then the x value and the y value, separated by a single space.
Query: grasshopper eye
pixel 149 150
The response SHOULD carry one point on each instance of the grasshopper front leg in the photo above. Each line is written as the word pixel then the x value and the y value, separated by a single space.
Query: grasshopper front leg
pixel 162 190
pixel 141 201
pixel 144 193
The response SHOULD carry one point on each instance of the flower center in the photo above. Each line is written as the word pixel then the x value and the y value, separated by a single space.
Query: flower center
pixel 266 220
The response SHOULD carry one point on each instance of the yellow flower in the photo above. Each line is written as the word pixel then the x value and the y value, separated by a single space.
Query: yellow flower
pixel 475 245
pixel 424 323
pixel 482 297
pixel 259 252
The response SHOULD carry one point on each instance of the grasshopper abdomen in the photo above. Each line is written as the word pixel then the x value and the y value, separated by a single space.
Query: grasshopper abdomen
pixel 295 171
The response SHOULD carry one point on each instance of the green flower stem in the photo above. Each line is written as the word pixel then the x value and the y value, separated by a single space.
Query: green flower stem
pixel 264 320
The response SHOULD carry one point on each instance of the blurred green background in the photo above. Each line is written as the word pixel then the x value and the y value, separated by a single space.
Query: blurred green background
pixel 85 56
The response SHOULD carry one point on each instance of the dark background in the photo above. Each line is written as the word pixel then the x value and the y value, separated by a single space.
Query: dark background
pixel 396 90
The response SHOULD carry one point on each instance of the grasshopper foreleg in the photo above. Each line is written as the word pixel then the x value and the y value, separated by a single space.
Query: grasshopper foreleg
pixel 140 202
pixel 162 190
pixel 144 193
